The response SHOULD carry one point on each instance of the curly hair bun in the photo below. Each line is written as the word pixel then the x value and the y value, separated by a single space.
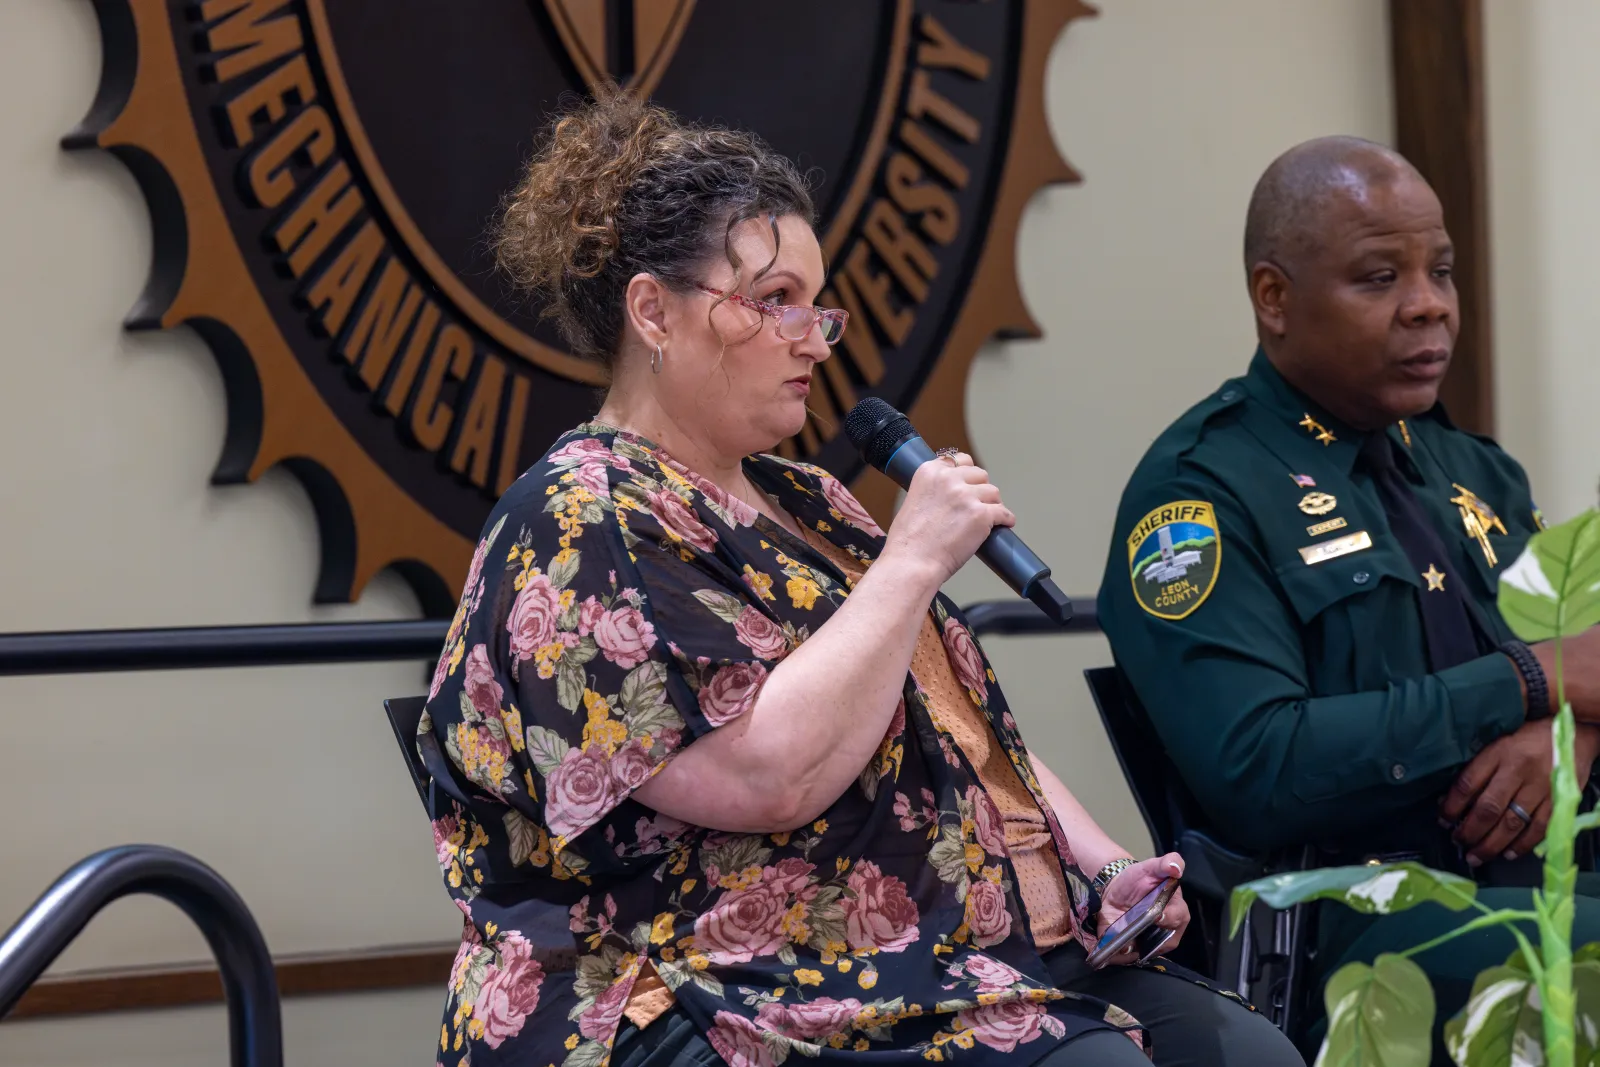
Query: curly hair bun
pixel 619 186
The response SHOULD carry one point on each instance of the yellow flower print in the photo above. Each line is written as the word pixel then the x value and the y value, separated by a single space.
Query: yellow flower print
pixel 513 720
pixel 668 954
pixel 572 1042
pixel 794 923
pixel 963 1040
pixel 698 960
pixel 781 839
pixel 661 930
pixel 455 655
pixel 845 965
pixel 867 979
pixel 992 874
pixel 760 584
pixel 1038 996
pixel 988 998
pixel 823 527
pixel 444 1037
pixel 803 591
pixel 689 884
pixel 564 556
pixel 741 879
pixel 820 826
pixel 862 1044
pixel 974 857
pixel 838 1041
pixel 549 490
pixel 568 597
pixel 547 657
pixel 805 976
pixel 829 956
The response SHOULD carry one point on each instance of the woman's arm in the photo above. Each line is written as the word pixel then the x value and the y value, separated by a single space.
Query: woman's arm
pixel 823 711
pixel 1091 845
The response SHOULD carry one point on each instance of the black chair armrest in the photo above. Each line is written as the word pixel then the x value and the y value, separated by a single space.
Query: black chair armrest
pixel 1212 869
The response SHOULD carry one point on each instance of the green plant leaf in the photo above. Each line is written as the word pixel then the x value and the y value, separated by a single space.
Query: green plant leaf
pixel 1501 1023
pixel 1586 990
pixel 1378 1016
pixel 1553 588
pixel 1371 890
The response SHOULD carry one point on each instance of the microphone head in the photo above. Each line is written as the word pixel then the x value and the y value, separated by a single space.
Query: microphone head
pixel 876 429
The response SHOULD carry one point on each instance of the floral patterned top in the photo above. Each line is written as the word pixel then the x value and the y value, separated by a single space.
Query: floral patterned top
pixel 617 608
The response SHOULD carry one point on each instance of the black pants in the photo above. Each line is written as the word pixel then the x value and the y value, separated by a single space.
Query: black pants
pixel 1190 1026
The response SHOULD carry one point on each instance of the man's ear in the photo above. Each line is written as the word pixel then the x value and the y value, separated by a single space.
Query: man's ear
pixel 1269 296
pixel 645 304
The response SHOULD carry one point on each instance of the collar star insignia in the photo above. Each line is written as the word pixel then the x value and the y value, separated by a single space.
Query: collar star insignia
pixel 1405 433
pixel 1435 578
pixel 1478 519
pixel 1317 430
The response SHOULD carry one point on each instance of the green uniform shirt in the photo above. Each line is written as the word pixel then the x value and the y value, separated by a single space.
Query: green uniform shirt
pixel 1269 622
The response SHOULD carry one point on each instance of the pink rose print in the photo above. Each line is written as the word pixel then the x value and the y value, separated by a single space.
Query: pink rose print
pixel 744 924
pixel 731 692
pixel 584 450
pixel 443 830
pixel 680 521
pixel 579 791
pixel 533 617
pixel 482 688
pixel 631 766
pixel 878 913
pixel 760 634
pixel 510 991
pixel 590 612
pixel 790 875
pixel 897 721
pixel 991 826
pixel 441 671
pixel 808 1020
pixel 600 1021
pixel 991 975
pixel 625 637
pixel 840 500
pixel 987 916
pixel 594 477
pixel 743 514
pixel 965 658
pixel 738 1042
pixel 578 916
pixel 1005 1026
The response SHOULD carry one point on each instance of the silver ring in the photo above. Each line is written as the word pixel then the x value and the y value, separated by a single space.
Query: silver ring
pixel 1520 812
pixel 948 453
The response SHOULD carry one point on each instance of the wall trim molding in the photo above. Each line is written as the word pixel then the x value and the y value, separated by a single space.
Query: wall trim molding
pixel 307 975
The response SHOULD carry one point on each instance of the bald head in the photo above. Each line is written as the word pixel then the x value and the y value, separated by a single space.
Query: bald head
pixel 1289 207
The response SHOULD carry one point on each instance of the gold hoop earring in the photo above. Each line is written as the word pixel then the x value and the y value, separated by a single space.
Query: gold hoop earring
pixel 656 359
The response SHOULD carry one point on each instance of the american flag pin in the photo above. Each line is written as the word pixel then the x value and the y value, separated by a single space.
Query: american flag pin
pixel 1304 481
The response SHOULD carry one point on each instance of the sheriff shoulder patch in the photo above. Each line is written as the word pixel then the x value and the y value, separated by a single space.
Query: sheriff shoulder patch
pixel 1174 554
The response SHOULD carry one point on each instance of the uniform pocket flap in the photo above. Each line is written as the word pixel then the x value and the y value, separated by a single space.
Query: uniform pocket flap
pixel 1314 587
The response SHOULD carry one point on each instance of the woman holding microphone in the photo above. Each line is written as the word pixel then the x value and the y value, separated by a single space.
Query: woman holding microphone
pixel 696 696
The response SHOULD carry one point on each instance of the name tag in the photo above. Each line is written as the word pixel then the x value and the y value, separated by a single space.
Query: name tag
pixel 1339 546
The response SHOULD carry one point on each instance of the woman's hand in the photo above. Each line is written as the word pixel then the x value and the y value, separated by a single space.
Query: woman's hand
pixel 1131 886
pixel 948 511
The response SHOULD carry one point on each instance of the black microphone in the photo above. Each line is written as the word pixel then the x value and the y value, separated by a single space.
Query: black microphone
pixel 886 439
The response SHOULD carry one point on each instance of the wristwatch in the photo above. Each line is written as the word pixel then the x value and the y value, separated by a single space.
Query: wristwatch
pixel 1110 871
pixel 1533 677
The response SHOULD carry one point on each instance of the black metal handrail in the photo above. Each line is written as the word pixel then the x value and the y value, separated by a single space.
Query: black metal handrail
pixel 182 648
pixel 255 1028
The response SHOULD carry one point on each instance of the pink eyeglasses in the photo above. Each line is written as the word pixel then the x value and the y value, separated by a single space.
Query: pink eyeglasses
pixel 794 321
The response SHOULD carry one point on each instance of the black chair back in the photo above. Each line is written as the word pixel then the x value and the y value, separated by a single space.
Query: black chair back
pixel 1149 773
pixel 405 715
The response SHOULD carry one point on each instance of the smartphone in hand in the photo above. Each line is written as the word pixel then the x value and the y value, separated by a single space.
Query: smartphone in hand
pixel 1137 926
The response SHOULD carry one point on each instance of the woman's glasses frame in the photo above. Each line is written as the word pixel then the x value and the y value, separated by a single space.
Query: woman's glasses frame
pixel 779 312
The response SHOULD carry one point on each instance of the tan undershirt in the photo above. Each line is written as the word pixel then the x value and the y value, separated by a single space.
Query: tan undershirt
pixel 1040 881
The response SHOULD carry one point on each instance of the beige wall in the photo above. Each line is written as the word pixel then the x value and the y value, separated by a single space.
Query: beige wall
pixel 1542 84
pixel 286 780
